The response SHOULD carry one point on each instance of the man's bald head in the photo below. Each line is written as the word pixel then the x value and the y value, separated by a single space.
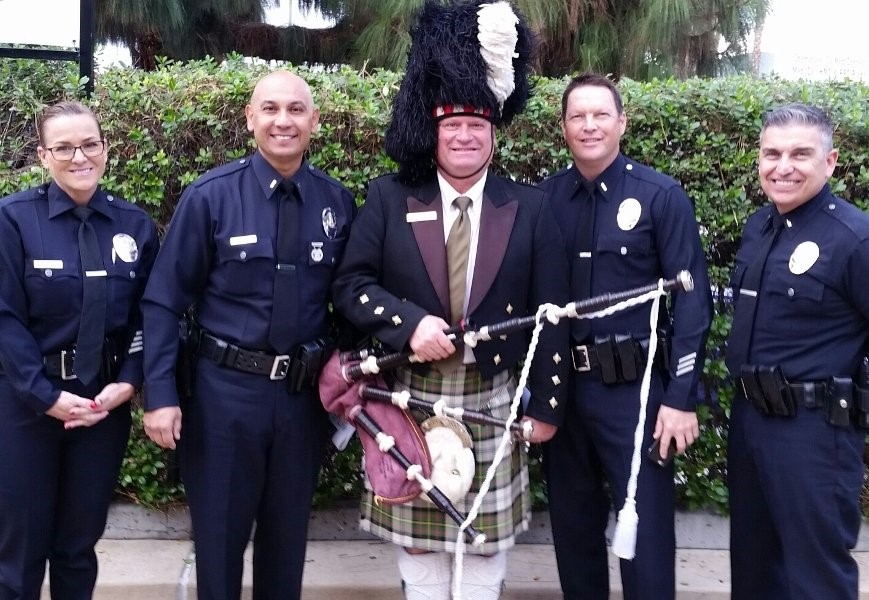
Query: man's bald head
pixel 282 115
pixel 278 80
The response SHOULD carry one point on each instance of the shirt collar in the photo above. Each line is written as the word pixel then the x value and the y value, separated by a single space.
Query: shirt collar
pixel 449 193
pixel 804 213
pixel 59 201
pixel 605 182
pixel 269 179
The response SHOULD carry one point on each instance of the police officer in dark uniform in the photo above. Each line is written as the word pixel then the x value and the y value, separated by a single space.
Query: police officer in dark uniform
pixel 797 353
pixel 73 265
pixel 252 248
pixel 625 225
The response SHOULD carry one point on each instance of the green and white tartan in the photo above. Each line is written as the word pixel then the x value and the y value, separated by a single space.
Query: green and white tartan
pixel 506 508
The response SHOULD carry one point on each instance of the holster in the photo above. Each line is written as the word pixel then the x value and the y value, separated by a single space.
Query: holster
pixel 767 390
pixel 861 395
pixel 305 367
pixel 665 347
pixel 114 350
pixel 185 363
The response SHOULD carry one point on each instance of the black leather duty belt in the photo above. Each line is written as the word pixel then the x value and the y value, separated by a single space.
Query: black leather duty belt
pixel 585 356
pixel 62 364
pixel 277 367
pixel 618 358
pixel 809 394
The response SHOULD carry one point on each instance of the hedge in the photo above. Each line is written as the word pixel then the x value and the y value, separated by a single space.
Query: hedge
pixel 168 126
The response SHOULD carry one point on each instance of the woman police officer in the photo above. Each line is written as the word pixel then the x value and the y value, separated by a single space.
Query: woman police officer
pixel 73 265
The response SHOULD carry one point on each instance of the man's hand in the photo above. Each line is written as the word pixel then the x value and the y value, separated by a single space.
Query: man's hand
pixel 75 411
pixel 541 430
pixel 429 341
pixel 678 425
pixel 163 426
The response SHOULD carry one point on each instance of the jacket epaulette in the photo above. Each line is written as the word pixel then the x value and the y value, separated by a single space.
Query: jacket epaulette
pixel 315 172
pixel 647 174
pixel 222 171
pixel 851 217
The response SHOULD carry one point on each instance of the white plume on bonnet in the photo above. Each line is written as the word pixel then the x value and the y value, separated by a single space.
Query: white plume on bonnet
pixel 498 37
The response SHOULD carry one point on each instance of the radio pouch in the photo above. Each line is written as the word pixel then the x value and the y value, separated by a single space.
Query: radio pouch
pixel 627 351
pixel 609 371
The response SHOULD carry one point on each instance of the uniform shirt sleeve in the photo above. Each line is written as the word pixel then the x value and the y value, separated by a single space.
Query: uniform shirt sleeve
pixel 357 285
pixel 679 248
pixel 855 279
pixel 179 273
pixel 19 352
pixel 131 368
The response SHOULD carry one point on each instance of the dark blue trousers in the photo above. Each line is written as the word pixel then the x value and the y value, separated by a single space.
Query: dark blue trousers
pixel 794 503
pixel 55 490
pixel 587 463
pixel 250 453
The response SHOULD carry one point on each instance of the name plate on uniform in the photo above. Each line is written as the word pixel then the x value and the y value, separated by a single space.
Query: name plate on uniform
pixel 428 215
pixel 242 240
pixel 47 264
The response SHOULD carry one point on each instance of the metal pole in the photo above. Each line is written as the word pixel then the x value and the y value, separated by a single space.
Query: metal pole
pixel 86 44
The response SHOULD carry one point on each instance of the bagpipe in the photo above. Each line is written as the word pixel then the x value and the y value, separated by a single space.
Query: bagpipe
pixel 358 364
pixel 397 460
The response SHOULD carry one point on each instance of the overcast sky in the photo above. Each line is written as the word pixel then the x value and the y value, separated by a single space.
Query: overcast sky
pixel 812 28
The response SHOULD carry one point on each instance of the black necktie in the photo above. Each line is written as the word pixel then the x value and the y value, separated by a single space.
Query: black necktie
pixel 739 344
pixel 581 260
pixel 92 326
pixel 285 299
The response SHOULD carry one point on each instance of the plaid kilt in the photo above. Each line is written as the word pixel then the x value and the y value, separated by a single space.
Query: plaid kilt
pixel 506 508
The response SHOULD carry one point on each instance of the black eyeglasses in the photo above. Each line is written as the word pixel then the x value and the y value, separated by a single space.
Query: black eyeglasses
pixel 89 149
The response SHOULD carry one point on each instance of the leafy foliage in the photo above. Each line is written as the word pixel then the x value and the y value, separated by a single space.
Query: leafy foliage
pixel 635 38
pixel 168 126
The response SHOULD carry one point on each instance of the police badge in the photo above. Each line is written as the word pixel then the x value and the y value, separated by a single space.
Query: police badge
pixel 125 248
pixel 330 224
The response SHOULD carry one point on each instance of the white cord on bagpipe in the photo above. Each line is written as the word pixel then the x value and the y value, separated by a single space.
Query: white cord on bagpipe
pixel 506 442
pixel 553 314
pixel 624 542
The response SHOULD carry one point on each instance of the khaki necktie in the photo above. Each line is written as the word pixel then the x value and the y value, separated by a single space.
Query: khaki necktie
pixel 458 248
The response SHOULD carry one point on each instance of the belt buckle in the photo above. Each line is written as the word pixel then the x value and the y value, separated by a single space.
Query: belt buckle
pixel 581 353
pixel 280 367
pixel 63 374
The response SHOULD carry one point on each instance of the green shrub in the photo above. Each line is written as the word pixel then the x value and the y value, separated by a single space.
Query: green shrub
pixel 168 126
